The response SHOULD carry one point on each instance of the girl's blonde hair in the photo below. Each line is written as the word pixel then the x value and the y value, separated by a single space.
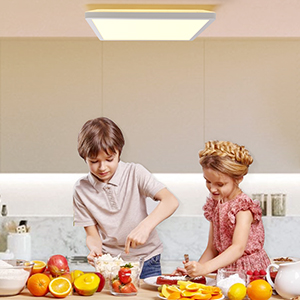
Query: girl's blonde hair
pixel 226 157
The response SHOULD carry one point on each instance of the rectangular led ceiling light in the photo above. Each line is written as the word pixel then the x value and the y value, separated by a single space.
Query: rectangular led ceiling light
pixel 148 24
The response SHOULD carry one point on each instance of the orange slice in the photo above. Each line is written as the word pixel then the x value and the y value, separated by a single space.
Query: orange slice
pixel 38 267
pixel 200 296
pixel 193 287
pixel 188 294
pixel 174 296
pixel 60 287
pixel 173 288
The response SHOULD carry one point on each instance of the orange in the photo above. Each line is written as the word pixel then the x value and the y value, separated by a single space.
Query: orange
pixel 38 284
pixel 193 287
pixel 38 267
pixel 173 288
pixel 188 294
pixel 200 296
pixel 174 296
pixel 60 287
pixel 259 290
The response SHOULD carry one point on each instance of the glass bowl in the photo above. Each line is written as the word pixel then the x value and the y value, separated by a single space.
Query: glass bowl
pixel 126 285
pixel 106 265
pixel 226 277
pixel 13 276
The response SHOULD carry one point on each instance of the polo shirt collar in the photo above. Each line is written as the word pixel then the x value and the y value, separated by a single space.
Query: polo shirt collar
pixel 115 180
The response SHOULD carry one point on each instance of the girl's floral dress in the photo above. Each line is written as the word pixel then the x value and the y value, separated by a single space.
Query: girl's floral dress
pixel 223 218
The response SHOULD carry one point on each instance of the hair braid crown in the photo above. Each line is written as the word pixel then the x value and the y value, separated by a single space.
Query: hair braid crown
pixel 227 149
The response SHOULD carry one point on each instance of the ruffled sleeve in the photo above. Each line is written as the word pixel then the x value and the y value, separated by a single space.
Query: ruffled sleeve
pixel 209 208
pixel 242 203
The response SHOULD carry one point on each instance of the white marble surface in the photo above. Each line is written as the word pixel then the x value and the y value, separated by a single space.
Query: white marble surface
pixel 179 234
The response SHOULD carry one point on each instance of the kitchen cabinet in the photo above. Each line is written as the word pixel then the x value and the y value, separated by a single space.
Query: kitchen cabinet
pixel 168 98
pixel 252 98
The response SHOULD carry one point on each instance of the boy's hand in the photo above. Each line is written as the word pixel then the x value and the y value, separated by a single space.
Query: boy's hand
pixel 138 236
pixel 92 255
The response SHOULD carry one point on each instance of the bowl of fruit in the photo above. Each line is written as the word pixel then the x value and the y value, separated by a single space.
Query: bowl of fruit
pixel 255 274
pixel 13 276
pixel 125 280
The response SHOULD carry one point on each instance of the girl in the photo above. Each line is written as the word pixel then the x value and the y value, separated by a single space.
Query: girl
pixel 236 235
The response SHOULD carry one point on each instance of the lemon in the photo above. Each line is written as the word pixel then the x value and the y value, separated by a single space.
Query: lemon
pixel 237 291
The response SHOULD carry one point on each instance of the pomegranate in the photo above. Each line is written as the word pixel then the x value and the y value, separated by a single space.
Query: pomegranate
pixel 58 265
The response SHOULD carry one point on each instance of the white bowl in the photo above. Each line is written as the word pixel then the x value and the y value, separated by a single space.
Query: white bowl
pixel 13 276
pixel 284 260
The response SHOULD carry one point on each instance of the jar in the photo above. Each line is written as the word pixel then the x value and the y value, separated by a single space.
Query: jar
pixel 278 204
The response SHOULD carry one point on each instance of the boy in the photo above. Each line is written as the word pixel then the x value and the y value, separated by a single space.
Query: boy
pixel 110 202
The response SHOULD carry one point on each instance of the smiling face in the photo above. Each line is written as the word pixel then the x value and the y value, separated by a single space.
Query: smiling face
pixel 221 186
pixel 104 165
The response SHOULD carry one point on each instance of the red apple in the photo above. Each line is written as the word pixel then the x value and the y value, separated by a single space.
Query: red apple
pixel 102 282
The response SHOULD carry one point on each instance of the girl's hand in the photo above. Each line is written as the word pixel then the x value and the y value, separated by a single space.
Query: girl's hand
pixel 92 255
pixel 180 272
pixel 138 236
pixel 195 269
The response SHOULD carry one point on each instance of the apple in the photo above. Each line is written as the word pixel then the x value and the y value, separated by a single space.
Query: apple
pixel 102 282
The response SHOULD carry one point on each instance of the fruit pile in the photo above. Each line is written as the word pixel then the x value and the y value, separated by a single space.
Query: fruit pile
pixel 190 290
pixel 55 277
pixel 123 283
pixel 254 275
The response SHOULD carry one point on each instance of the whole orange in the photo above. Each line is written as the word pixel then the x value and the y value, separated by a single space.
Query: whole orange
pixel 38 284
pixel 259 290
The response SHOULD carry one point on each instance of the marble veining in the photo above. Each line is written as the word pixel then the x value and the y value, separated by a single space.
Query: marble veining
pixel 179 234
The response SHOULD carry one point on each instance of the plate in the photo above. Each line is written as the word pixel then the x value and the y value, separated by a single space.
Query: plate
pixel 278 262
pixel 152 281
pixel 161 297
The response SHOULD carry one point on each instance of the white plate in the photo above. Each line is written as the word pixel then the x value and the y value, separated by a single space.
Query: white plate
pixel 152 281
pixel 294 259
pixel 160 297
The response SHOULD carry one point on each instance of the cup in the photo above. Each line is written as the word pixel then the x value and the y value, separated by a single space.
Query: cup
pixel 278 204
pixel 20 245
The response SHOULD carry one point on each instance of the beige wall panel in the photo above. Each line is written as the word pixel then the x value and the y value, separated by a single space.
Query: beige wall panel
pixel 49 88
pixel 154 91
pixel 252 97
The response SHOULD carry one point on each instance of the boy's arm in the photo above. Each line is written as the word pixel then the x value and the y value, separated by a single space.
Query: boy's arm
pixel 166 207
pixel 93 242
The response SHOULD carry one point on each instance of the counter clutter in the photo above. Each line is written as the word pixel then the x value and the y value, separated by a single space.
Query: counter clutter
pixel 54 279
pixel 145 292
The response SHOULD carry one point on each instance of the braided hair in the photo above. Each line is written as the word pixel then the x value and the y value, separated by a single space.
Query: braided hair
pixel 226 157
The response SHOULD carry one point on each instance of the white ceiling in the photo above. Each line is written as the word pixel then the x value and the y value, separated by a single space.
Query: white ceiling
pixel 234 18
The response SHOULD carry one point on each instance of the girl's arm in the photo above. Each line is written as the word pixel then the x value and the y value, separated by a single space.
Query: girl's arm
pixel 93 242
pixel 231 254
pixel 166 207
pixel 209 253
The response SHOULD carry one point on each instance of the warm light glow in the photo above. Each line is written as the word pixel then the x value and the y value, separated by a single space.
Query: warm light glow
pixel 148 25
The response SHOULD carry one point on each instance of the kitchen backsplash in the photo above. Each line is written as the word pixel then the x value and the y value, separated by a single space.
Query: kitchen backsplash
pixel 179 234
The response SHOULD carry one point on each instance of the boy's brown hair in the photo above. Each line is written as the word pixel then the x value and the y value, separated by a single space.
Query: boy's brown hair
pixel 100 134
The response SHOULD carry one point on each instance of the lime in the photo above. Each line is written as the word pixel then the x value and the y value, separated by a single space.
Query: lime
pixel 237 292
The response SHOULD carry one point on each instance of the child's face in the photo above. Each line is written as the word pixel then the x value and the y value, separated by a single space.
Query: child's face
pixel 103 166
pixel 221 186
